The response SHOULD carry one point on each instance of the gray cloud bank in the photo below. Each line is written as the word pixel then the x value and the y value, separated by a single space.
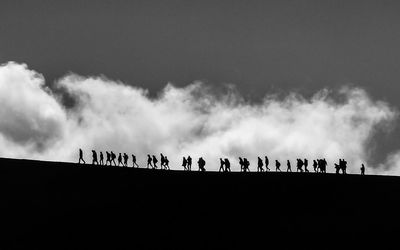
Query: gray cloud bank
pixel 108 115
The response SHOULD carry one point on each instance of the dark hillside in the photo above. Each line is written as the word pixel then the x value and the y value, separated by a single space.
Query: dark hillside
pixel 70 206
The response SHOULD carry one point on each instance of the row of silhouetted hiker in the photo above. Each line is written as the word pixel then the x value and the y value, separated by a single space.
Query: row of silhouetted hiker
pixel 319 165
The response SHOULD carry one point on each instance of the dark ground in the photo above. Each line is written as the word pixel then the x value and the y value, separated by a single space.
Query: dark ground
pixel 69 206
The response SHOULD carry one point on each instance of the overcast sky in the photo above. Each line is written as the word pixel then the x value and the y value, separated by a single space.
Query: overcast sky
pixel 262 47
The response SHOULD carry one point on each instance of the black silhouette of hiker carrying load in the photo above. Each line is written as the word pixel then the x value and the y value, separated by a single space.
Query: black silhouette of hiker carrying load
pixel 201 163
pixel 94 156
pixel 81 157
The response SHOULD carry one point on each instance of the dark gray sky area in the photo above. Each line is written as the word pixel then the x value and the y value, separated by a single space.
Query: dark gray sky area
pixel 257 45
pixel 260 46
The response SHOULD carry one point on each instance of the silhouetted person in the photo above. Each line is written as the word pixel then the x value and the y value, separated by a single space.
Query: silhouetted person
pixel 120 159
pixel 126 157
pixel 241 163
pixel 322 166
pixel 94 158
pixel 101 158
pixel 134 161
pixel 266 163
pixel 166 163
pixel 343 166
pixel 149 161
pixel 337 168
pixel 108 158
pixel 315 166
pixel 189 163
pixel 221 165
pixel 319 165
pixel 277 166
pixel 305 165
pixel 246 165
pixel 201 162
pixel 362 169
pixel 289 167
pixel 81 157
pixel 227 165
pixel 184 163
pixel 113 156
pixel 154 161
pixel 260 164
pixel 162 161
pixel 299 165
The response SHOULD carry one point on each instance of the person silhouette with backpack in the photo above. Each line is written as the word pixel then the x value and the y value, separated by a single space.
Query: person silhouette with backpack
pixel 113 156
pixel 101 158
pixel 201 162
pixel 315 166
pixel 227 165
pixel 166 163
pixel 299 165
pixel 241 163
pixel 94 158
pixel 81 157
pixel 277 166
pixel 260 164
pixel 120 159
pixel 184 163
pixel 149 161
pixel 289 167
pixel 126 157
pixel 162 161
pixel 305 165
pixel 266 164
pixel 344 166
pixel 155 162
pixel 221 165
pixel 362 169
pixel 134 161
pixel 108 158
pixel 338 167
pixel 246 165
pixel 324 163
pixel 189 163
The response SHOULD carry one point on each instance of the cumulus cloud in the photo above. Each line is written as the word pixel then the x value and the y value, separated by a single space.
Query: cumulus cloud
pixel 109 115
pixel 391 166
pixel 31 118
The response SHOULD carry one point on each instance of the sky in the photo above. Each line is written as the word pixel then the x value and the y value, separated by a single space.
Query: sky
pixel 327 71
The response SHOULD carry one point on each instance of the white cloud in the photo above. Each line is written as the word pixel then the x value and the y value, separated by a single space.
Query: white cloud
pixel 391 166
pixel 109 115
pixel 31 118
